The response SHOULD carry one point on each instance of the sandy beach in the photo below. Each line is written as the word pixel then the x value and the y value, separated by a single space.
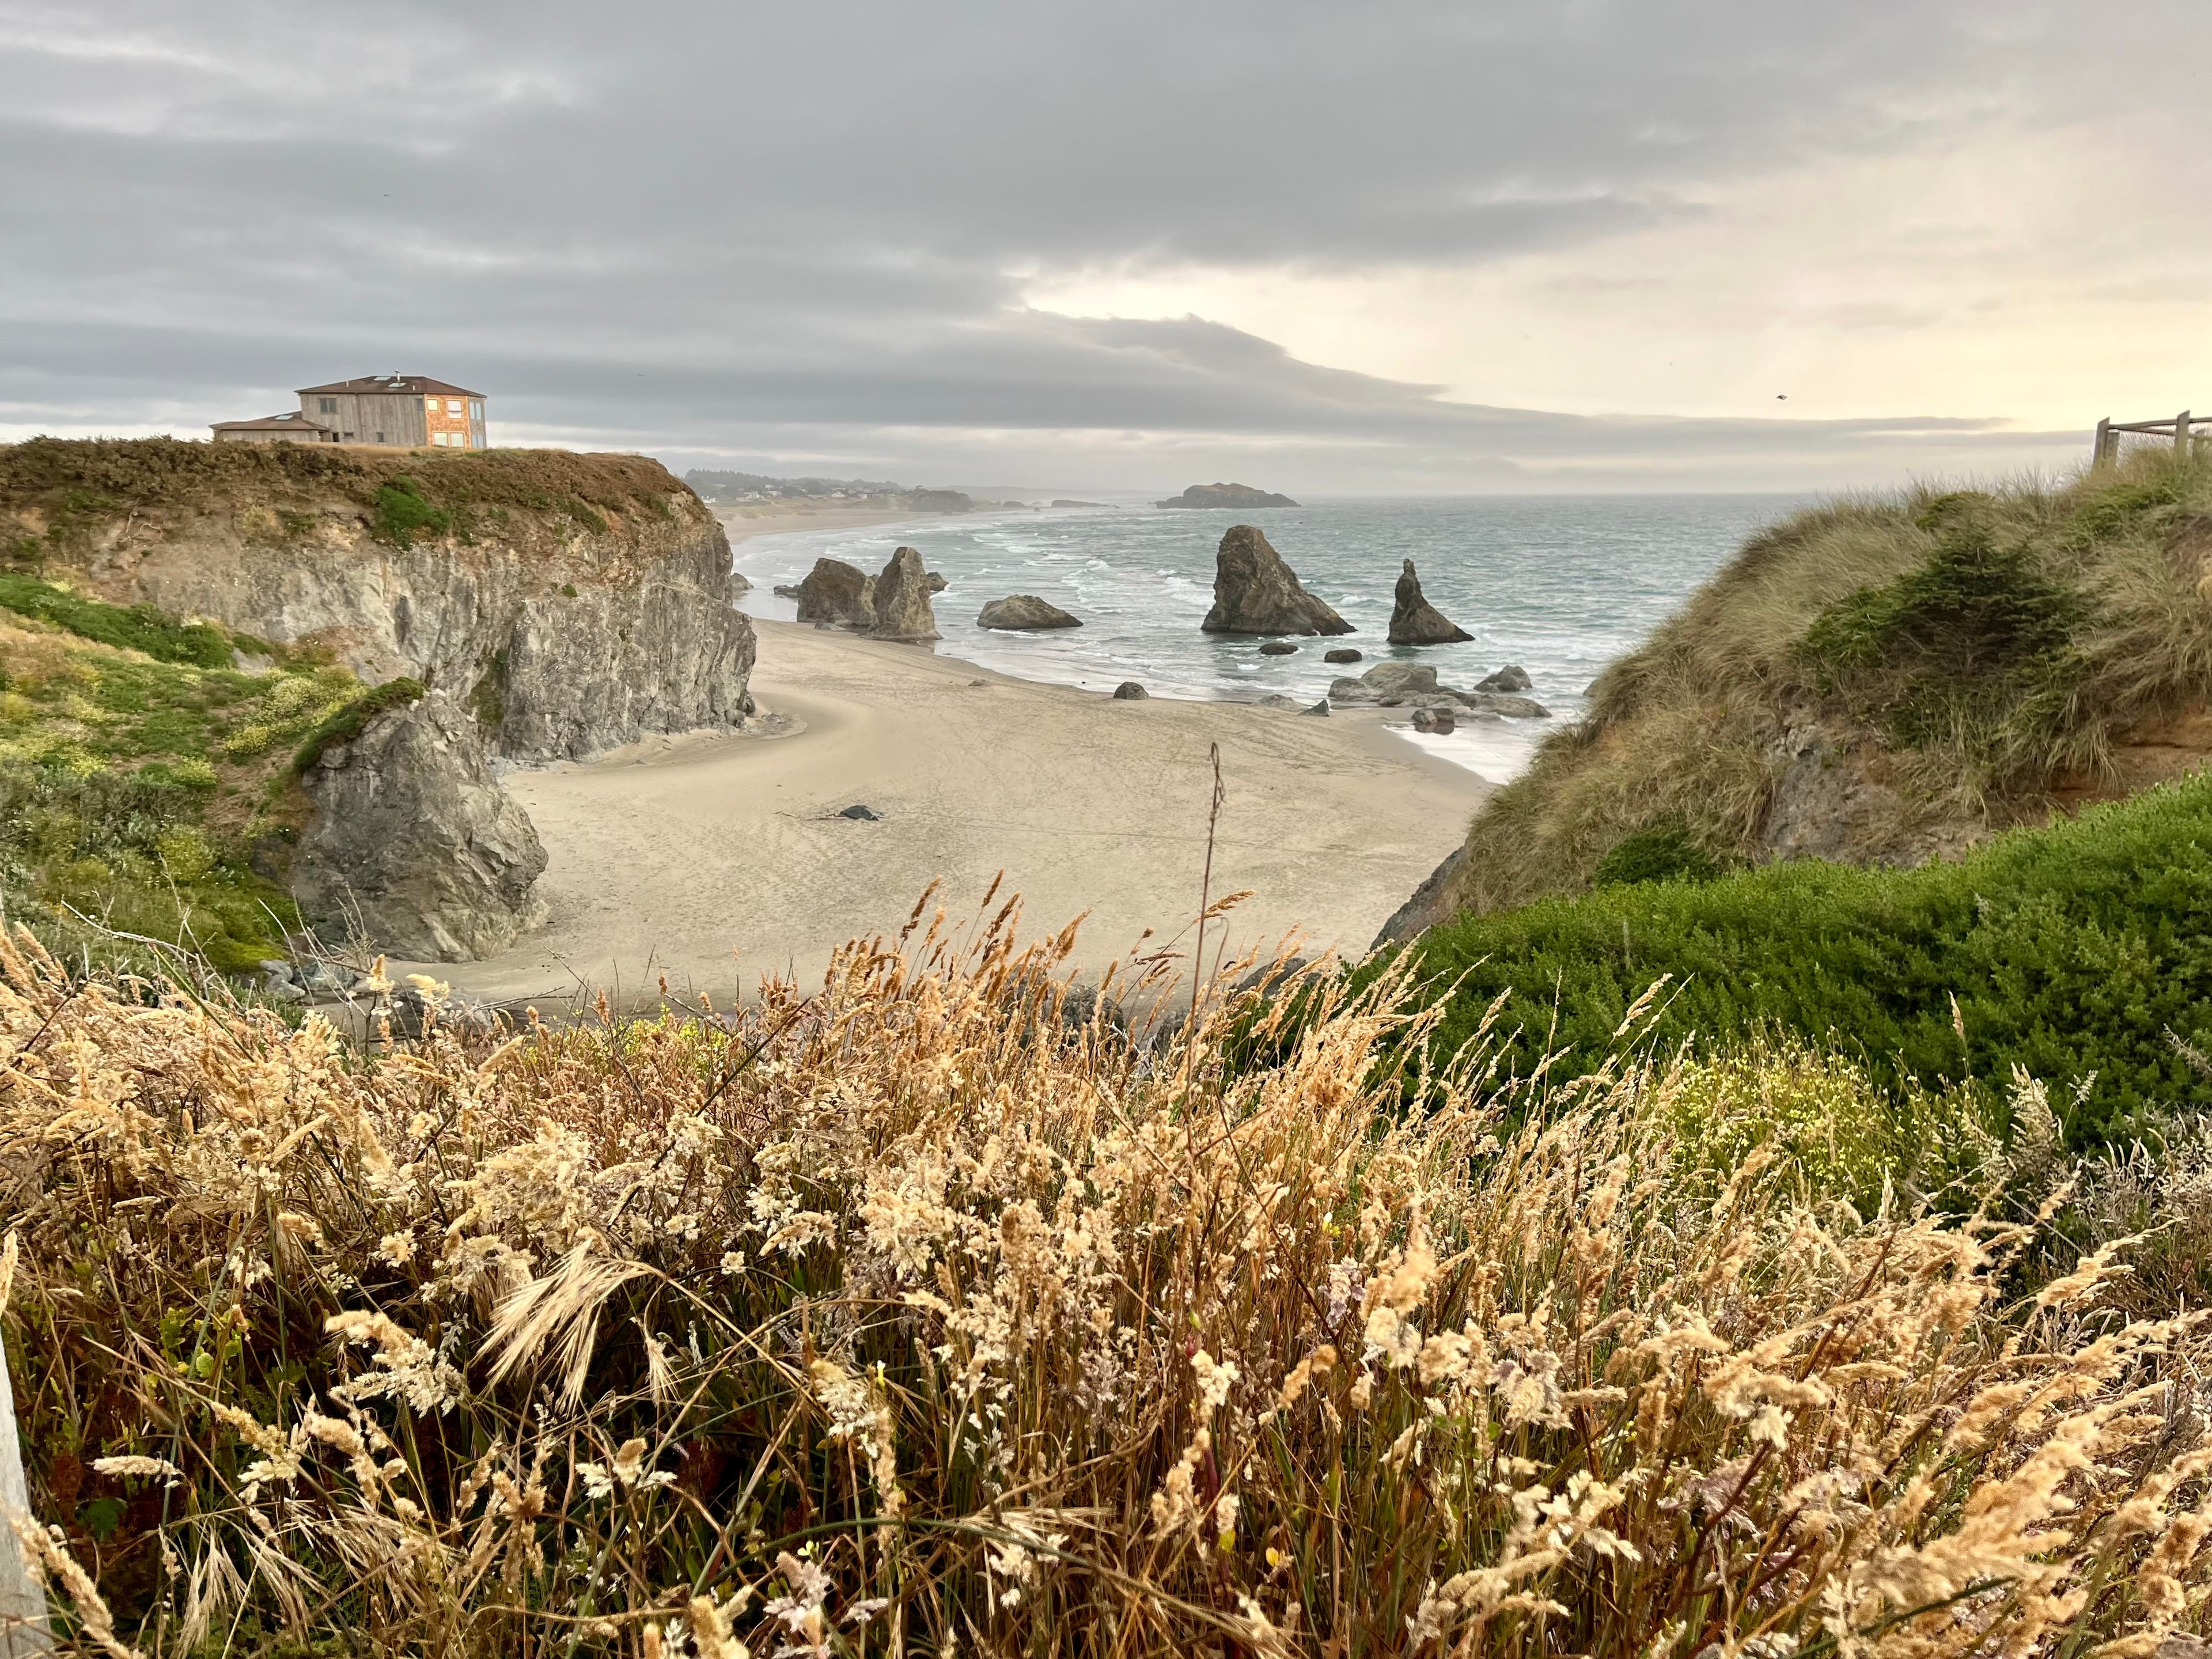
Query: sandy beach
pixel 715 860
pixel 743 526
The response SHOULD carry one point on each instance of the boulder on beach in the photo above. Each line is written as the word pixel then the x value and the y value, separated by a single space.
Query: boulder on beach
pixel 1386 681
pixel 1278 648
pixel 1255 593
pixel 901 600
pixel 1438 720
pixel 836 593
pixel 1511 677
pixel 1024 611
pixel 1342 654
pixel 1226 494
pixel 1130 691
pixel 1415 621
pixel 1321 707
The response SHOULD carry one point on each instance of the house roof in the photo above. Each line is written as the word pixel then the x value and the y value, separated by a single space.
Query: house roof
pixel 291 420
pixel 371 385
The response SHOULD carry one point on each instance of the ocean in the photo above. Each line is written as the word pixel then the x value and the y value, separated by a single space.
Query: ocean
pixel 1560 585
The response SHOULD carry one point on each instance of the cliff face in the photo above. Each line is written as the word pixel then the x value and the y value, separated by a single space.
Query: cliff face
pixel 573 602
pixel 555 604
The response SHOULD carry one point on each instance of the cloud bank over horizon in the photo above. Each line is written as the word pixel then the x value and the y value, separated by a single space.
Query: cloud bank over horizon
pixel 1404 248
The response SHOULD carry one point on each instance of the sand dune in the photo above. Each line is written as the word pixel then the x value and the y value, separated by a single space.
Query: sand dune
pixel 715 860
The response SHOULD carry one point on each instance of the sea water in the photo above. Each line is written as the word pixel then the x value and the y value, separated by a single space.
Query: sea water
pixel 1560 585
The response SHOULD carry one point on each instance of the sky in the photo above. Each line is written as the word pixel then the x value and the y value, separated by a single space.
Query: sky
pixel 1327 248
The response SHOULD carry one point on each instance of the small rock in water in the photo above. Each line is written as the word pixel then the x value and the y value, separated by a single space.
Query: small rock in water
pixel 1129 691
pixel 1511 677
pixel 1342 654
pixel 1321 707
pixel 1278 648
pixel 1438 721
pixel 1025 612
pixel 857 811
pixel 787 590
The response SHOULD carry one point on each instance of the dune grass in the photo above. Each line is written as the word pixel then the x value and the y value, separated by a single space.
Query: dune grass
pixel 1981 647
pixel 910 1316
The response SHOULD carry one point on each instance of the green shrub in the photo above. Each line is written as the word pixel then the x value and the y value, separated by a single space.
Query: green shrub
pixel 1667 852
pixel 2079 952
pixel 347 723
pixel 136 628
pixel 402 514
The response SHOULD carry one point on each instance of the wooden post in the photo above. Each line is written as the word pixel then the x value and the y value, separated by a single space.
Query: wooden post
pixel 23 1632
pixel 2181 436
pixel 2101 441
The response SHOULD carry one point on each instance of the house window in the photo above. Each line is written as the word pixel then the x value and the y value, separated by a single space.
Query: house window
pixel 452 405
pixel 326 405
pixel 475 411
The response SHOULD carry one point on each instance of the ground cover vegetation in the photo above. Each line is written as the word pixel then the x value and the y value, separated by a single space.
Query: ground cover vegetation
pixel 2081 954
pixel 1971 654
pixel 140 767
pixel 915 1316
pixel 59 498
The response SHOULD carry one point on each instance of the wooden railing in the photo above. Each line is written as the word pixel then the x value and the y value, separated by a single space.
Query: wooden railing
pixel 2176 426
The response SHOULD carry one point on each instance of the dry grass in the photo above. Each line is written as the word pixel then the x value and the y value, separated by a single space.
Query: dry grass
pixel 1695 727
pixel 908 1317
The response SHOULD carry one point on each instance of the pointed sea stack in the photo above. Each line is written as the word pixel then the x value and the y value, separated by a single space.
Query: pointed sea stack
pixel 901 600
pixel 1415 621
pixel 1255 593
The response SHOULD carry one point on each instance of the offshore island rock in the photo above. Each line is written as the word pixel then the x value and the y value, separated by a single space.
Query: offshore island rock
pixel 1226 494
pixel 1415 621
pixel 1025 610
pixel 1255 593
pixel 411 830
pixel 901 600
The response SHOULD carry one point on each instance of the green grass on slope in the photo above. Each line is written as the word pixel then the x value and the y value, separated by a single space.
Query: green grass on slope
pixel 1976 647
pixel 2078 953
pixel 138 769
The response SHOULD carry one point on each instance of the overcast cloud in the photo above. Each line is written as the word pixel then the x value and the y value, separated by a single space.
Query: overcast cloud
pixel 1319 247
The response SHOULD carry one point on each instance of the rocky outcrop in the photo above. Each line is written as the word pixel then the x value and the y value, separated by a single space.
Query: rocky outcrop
pixel 1511 677
pixel 1225 495
pixel 1342 654
pixel 940 500
pixel 1130 691
pixel 1415 621
pixel 901 600
pixel 1024 611
pixel 413 838
pixel 1431 904
pixel 1255 593
pixel 1394 684
pixel 838 594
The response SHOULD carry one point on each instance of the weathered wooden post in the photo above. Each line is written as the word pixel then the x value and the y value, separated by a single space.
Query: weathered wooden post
pixel 2181 436
pixel 2102 442
pixel 23 1632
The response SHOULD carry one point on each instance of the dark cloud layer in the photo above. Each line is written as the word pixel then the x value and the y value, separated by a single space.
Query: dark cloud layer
pixel 801 231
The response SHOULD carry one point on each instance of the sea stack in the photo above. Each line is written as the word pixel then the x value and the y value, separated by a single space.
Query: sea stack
pixel 1255 593
pixel 901 600
pixel 1415 621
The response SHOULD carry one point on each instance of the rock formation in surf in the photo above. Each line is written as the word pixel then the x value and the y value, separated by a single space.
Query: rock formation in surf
pixel 1025 610
pixel 1255 593
pixel 901 600
pixel 1415 621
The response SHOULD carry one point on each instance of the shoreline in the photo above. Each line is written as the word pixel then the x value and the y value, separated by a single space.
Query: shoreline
pixel 740 527
pixel 716 857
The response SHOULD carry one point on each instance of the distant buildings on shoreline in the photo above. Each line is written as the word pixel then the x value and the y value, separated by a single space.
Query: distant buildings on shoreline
pixel 403 411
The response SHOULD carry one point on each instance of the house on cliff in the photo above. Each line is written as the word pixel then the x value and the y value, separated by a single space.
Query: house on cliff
pixel 404 411
pixel 409 410
pixel 289 427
